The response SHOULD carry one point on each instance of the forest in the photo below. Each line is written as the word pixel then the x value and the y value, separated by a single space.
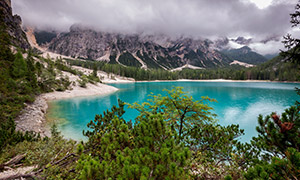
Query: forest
pixel 274 70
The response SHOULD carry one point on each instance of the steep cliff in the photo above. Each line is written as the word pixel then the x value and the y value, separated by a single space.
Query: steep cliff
pixel 12 24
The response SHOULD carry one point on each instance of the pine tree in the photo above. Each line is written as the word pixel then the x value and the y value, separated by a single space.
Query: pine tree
pixel 292 43
pixel 31 72
pixel 119 150
pixel 279 144
pixel 19 66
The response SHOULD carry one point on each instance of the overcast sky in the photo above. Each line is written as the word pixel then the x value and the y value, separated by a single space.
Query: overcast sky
pixel 259 19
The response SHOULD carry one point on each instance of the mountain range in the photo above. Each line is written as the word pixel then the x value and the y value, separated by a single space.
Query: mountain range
pixel 146 51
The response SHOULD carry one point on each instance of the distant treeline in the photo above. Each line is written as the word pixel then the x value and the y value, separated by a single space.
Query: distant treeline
pixel 274 70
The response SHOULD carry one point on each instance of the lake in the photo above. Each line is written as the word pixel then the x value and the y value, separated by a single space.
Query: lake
pixel 237 103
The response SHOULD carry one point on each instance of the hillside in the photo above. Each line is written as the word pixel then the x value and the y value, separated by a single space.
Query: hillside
pixel 246 55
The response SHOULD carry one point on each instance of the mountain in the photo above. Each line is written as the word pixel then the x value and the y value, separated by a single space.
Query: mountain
pixel 136 50
pixel 242 41
pixel 44 37
pixel 270 56
pixel 246 55
pixel 12 24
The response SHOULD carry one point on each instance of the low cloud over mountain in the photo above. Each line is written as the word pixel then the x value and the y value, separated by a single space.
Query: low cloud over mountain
pixel 191 18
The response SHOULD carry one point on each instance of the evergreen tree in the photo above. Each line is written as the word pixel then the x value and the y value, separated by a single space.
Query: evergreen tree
pixel 19 66
pixel 180 111
pixel 119 151
pixel 279 168
pixel 31 72
pixel 291 43
pixel 279 144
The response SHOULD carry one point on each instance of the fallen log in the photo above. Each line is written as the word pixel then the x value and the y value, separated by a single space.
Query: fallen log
pixel 19 176
pixel 15 160
pixel 12 162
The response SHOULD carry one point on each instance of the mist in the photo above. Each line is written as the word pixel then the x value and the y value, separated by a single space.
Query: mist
pixel 191 18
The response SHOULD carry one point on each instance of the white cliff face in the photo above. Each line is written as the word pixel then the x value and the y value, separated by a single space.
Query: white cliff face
pixel 145 51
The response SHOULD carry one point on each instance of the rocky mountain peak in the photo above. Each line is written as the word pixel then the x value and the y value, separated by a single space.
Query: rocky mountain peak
pixel 148 51
pixel 242 40
pixel 245 49
pixel 245 54
pixel 12 25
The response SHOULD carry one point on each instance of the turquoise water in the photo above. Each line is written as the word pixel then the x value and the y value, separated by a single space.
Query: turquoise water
pixel 238 103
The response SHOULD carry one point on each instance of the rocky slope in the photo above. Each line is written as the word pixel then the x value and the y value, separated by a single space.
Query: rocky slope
pixel 12 24
pixel 137 50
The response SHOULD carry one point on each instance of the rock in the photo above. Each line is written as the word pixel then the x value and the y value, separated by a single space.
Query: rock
pixel 13 25
pixel 33 117
pixel 139 50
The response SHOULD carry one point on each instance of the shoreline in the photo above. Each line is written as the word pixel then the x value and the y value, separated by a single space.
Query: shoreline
pixel 215 80
pixel 33 116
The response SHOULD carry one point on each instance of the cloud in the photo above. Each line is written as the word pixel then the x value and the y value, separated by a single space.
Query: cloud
pixel 173 17
pixel 271 47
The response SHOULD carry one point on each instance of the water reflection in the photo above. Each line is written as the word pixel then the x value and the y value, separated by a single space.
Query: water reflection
pixel 239 103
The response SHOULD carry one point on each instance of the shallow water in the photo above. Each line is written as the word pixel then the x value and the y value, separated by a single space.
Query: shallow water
pixel 238 103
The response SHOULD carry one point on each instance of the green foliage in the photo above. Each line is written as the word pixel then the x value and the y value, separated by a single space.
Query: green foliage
pixel 276 134
pixel 83 81
pixel 245 54
pixel 20 81
pixel 8 135
pixel 216 151
pixel 60 65
pixel 19 66
pixel 228 177
pixel 128 60
pixel 31 76
pixel 279 168
pixel 93 78
pixel 119 151
pixel 292 43
pixel 43 153
pixel 275 69
pixel 152 149
pixel 151 63
pixel 102 124
pixel 133 72
pixel 279 137
pixel 16 88
pixel 279 144
pixel 179 110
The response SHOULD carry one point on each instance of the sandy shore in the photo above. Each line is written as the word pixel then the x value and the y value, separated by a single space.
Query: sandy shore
pixel 90 90
pixel 33 116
